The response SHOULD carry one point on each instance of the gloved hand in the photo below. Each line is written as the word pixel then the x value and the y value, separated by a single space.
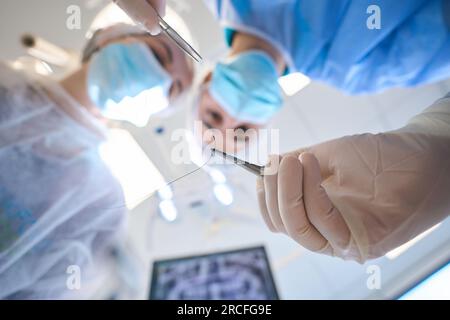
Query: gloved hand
pixel 360 196
pixel 144 12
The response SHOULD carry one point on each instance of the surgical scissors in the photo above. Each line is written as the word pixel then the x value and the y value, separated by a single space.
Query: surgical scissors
pixel 253 168
pixel 181 43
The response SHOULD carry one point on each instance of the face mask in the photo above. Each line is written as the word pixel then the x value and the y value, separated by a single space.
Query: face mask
pixel 247 87
pixel 127 83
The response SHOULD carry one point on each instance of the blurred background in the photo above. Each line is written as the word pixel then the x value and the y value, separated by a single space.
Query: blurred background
pixel 215 209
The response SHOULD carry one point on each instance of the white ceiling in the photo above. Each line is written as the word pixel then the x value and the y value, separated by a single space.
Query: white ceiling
pixel 315 114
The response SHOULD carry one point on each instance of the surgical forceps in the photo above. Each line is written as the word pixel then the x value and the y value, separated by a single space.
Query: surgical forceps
pixel 253 168
pixel 181 43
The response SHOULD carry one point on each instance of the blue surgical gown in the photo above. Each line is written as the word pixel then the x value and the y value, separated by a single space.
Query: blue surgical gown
pixel 329 40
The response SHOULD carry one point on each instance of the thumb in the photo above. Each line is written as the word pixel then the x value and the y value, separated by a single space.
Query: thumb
pixel 327 154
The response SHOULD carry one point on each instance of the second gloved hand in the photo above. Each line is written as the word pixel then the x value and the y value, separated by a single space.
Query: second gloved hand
pixel 359 197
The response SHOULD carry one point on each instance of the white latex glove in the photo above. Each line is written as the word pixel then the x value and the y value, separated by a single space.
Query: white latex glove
pixel 360 196
pixel 144 12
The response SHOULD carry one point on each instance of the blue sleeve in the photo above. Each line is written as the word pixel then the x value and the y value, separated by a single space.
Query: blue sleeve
pixel 411 48
pixel 329 40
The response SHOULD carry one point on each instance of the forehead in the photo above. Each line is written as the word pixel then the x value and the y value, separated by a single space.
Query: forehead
pixel 180 66
pixel 181 62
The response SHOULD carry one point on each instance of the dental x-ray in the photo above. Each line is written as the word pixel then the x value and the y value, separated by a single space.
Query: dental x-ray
pixel 232 275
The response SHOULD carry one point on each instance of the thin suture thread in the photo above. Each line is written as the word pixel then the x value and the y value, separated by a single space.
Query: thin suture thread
pixel 148 196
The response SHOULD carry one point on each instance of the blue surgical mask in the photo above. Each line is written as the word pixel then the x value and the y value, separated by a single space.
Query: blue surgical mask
pixel 247 87
pixel 120 72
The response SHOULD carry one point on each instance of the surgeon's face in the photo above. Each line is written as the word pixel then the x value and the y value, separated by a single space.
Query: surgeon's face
pixel 171 58
pixel 235 134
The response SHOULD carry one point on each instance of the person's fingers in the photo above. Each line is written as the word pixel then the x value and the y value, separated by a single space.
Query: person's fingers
pixel 296 153
pixel 323 152
pixel 142 13
pixel 320 210
pixel 328 153
pixel 292 210
pixel 260 191
pixel 271 194
pixel 159 6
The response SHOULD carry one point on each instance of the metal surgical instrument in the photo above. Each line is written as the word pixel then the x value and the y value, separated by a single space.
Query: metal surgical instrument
pixel 181 43
pixel 253 168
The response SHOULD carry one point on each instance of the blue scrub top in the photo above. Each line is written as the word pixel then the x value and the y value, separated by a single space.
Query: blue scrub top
pixel 329 40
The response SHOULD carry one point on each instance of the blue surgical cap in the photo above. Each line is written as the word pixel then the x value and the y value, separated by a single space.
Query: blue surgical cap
pixel 246 86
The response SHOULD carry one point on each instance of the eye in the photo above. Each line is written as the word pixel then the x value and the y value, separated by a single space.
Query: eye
pixel 158 55
pixel 215 116
pixel 243 128
pixel 176 89
pixel 207 125
pixel 240 133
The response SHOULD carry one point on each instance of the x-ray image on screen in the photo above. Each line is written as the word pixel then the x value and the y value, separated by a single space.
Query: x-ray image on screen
pixel 233 275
